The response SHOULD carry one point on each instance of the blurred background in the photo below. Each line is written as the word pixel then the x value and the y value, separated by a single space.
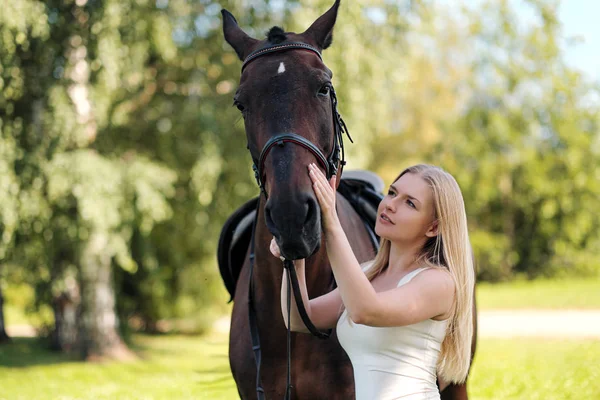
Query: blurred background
pixel 121 156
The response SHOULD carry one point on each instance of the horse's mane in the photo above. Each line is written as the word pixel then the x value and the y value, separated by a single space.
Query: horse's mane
pixel 276 35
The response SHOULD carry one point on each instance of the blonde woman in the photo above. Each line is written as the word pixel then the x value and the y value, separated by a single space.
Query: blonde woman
pixel 404 318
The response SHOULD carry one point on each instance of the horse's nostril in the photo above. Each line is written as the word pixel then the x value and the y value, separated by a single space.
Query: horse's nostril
pixel 268 218
pixel 311 210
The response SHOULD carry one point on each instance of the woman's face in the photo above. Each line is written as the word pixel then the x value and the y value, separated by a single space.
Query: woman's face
pixel 406 213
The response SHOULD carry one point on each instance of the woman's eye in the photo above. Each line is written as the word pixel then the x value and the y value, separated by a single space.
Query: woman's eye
pixel 324 91
pixel 390 193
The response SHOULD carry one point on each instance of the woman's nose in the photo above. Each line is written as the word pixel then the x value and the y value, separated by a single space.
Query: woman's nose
pixel 389 205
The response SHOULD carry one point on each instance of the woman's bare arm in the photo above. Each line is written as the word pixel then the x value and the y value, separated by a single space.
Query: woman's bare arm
pixel 323 311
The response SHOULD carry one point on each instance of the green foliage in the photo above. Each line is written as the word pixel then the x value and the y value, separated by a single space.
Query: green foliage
pixel 116 117
pixel 67 68
pixel 9 187
pixel 516 126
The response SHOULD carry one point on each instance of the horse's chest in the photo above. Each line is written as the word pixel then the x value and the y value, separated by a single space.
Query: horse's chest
pixel 320 368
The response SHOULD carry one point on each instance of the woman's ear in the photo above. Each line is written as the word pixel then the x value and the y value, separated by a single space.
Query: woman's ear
pixel 433 229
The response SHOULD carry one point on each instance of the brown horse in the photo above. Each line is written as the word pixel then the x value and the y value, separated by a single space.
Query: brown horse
pixel 285 93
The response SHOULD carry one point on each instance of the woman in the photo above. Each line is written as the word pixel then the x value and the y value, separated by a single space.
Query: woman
pixel 404 318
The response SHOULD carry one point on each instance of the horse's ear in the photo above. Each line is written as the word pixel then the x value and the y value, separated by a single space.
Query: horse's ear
pixel 235 36
pixel 321 31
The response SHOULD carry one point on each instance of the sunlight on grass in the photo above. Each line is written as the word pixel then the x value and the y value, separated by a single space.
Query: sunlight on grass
pixel 182 367
pixel 536 369
pixel 548 294
pixel 171 367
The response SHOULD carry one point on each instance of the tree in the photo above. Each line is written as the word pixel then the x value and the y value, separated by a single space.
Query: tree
pixel 517 128
pixel 3 335
pixel 76 206
pixel 121 156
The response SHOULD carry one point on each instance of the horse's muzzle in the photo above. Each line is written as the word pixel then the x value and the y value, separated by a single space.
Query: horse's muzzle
pixel 296 225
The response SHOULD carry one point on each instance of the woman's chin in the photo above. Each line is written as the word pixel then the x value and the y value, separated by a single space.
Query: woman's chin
pixel 381 232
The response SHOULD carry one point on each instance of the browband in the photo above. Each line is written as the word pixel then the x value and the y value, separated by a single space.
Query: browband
pixel 280 47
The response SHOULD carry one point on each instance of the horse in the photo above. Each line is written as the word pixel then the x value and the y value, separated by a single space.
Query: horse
pixel 290 115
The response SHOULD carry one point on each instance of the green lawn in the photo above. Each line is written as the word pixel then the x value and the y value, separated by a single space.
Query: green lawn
pixel 541 294
pixel 186 367
pixel 530 369
pixel 170 367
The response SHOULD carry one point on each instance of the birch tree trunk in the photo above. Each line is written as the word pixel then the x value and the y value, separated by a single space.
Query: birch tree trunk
pixel 3 335
pixel 66 307
pixel 99 323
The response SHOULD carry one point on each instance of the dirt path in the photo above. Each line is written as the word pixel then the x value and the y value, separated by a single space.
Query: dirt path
pixel 21 331
pixel 540 323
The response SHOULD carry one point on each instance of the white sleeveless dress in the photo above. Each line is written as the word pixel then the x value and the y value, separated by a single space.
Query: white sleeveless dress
pixel 394 362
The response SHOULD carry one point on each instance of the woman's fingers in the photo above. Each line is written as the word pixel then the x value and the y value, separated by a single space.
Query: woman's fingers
pixel 325 193
pixel 317 176
pixel 332 182
pixel 323 201
pixel 324 190
pixel 275 248
pixel 321 193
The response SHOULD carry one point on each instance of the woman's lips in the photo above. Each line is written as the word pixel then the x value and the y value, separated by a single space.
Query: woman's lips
pixel 385 218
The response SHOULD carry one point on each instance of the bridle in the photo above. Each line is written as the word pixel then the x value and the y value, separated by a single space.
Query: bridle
pixel 329 163
pixel 334 161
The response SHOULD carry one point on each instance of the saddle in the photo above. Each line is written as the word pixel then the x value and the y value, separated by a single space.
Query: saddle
pixel 363 190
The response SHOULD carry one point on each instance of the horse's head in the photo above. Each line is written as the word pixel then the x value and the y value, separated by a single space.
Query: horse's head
pixel 285 89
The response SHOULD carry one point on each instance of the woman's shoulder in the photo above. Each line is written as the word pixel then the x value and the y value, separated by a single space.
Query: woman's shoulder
pixel 438 286
pixel 437 276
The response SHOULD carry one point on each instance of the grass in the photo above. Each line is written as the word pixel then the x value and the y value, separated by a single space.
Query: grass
pixel 185 367
pixel 171 367
pixel 536 369
pixel 540 294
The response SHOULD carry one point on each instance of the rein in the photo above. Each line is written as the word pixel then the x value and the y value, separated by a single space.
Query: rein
pixel 330 163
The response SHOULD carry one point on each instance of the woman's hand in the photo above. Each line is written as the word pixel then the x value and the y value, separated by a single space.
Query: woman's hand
pixel 325 192
pixel 274 247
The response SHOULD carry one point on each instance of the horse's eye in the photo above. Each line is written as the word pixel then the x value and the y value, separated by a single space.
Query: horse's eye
pixel 239 106
pixel 324 91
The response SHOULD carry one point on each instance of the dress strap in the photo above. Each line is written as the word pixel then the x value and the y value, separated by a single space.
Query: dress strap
pixel 408 277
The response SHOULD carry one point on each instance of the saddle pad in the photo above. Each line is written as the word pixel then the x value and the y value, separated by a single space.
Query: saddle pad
pixel 233 243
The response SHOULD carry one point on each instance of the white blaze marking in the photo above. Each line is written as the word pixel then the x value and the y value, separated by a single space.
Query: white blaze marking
pixel 281 69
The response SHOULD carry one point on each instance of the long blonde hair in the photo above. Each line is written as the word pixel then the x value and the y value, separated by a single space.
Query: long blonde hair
pixel 450 250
